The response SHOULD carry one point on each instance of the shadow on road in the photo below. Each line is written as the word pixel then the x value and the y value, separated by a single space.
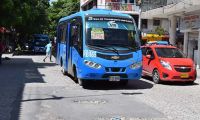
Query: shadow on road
pixel 172 83
pixel 106 85
pixel 14 75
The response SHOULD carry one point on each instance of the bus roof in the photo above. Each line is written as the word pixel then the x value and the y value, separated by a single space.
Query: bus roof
pixel 95 12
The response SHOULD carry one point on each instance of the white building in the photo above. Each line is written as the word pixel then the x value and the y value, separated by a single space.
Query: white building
pixel 183 15
pixel 150 23
pixel 123 6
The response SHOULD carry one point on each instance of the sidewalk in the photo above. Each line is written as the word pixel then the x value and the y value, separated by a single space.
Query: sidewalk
pixel 16 72
pixel 198 73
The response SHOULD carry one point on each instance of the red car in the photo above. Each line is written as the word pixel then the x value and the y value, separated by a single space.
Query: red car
pixel 167 63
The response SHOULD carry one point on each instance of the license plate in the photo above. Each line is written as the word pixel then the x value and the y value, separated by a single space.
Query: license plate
pixel 114 78
pixel 184 75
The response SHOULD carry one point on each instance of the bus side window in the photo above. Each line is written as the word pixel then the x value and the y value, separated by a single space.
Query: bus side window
pixel 74 35
pixel 63 33
pixel 59 33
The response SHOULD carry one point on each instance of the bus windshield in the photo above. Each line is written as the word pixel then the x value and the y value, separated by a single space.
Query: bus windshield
pixel 113 32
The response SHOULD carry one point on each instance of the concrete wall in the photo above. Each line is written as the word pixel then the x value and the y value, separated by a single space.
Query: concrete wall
pixel 164 23
pixel 192 43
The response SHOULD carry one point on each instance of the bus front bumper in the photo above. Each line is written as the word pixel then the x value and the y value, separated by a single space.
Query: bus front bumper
pixel 125 73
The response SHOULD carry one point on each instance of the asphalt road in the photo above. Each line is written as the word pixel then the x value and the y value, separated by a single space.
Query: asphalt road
pixel 33 90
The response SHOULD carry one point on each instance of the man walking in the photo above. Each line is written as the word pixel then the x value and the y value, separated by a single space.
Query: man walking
pixel 48 51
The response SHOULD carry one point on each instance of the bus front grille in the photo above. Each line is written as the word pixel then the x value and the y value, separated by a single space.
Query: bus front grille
pixel 115 69
pixel 114 57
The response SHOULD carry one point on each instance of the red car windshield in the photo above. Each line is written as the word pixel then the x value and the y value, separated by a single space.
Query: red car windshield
pixel 169 53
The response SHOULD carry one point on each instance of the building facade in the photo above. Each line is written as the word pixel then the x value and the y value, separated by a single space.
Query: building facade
pixel 183 16
pixel 148 23
pixel 130 7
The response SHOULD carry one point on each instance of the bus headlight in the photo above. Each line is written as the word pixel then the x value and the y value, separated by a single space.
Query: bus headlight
pixel 92 64
pixel 136 65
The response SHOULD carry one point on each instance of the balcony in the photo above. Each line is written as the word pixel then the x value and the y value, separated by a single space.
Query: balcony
pixel 119 6
pixel 149 5
pixel 163 9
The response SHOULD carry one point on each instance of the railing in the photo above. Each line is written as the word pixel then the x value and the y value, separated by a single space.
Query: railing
pixel 122 6
pixel 153 4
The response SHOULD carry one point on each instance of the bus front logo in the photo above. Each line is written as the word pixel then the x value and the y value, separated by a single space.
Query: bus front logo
pixel 115 57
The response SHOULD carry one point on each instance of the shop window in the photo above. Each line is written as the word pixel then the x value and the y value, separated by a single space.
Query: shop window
pixel 144 23
pixel 156 22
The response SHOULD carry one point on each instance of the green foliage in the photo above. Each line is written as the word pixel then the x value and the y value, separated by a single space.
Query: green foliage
pixel 6 7
pixel 159 30
pixel 60 9
pixel 35 16
pixel 27 16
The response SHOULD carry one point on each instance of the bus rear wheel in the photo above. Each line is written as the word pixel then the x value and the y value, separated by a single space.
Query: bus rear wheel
pixel 64 72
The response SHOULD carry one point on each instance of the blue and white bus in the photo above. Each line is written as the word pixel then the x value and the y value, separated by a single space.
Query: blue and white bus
pixel 99 45
pixel 39 42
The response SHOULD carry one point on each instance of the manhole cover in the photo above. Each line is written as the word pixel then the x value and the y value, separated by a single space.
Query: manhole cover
pixel 112 118
pixel 90 101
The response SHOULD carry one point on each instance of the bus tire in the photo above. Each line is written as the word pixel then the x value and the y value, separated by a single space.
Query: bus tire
pixel 61 62
pixel 80 81
pixel 64 72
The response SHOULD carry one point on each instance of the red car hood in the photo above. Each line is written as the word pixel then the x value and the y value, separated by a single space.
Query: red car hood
pixel 179 61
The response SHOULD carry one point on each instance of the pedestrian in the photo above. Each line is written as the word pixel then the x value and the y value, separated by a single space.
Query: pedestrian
pixel 1 50
pixel 48 51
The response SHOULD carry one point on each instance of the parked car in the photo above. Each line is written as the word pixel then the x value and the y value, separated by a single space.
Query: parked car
pixel 165 62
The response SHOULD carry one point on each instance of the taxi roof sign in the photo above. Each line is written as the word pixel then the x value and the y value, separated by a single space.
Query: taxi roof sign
pixel 158 43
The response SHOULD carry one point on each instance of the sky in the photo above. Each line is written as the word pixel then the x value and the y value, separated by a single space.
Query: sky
pixel 52 0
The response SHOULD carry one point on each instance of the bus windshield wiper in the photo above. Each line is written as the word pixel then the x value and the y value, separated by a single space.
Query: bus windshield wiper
pixel 105 47
pixel 126 46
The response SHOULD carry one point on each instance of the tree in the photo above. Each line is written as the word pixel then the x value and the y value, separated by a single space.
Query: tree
pixel 60 9
pixel 6 7
pixel 26 16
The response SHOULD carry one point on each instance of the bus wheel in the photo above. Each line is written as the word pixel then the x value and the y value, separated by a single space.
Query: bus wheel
pixel 64 72
pixel 80 81
pixel 156 76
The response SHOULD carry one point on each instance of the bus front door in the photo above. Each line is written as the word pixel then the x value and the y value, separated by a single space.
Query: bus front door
pixel 69 49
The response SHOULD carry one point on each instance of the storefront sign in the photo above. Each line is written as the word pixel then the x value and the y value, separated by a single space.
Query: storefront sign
pixel 190 22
